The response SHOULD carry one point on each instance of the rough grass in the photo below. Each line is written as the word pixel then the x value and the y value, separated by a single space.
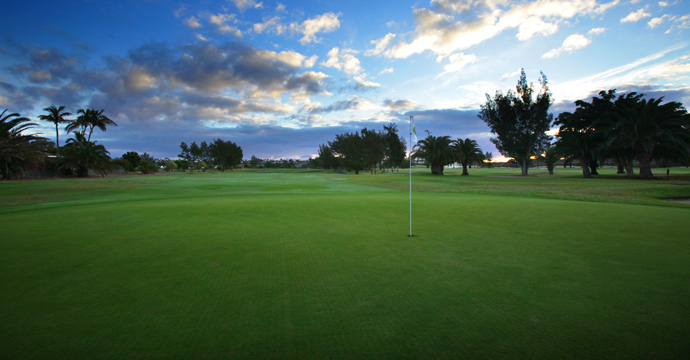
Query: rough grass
pixel 317 265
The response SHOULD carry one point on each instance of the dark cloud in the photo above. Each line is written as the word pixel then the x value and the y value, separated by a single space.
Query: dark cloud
pixel 350 104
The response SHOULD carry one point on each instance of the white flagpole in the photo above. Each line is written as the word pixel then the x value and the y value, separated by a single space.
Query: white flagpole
pixel 411 120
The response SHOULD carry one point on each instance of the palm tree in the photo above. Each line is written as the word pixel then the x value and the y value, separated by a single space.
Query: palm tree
pixel 550 157
pixel 466 152
pixel 17 149
pixel 648 125
pixel 90 119
pixel 84 155
pixel 437 151
pixel 56 115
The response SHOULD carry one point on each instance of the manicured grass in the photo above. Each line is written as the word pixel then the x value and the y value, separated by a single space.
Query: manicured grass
pixel 288 264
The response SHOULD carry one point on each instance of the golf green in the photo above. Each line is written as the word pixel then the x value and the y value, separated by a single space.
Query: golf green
pixel 256 265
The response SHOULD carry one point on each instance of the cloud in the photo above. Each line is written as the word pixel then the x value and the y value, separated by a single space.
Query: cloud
pixel 657 21
pixel 440 32
pixel 270 24
pixel 570 44
pixel 596 31
pixel 222 22
pixel 636 16
pixel 511 75
pixel 399 105
pixel 246 4
pixel 457 62
pixel 192 22
pixel 354 103
pixel 309 29
pixel 363 84
pixel 647 71
pixel 676 21
pixel 386 71
pixel 324 23
pixel 343 60
pixel 380 45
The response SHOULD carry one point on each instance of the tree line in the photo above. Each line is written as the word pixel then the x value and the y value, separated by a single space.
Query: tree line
pixel 364 150
pixel 224 154
pixel 20 152
pixel 626 128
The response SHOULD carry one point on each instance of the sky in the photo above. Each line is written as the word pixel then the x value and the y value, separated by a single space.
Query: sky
pixel 281 77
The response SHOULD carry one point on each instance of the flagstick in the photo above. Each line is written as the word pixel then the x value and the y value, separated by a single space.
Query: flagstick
pixel 411 120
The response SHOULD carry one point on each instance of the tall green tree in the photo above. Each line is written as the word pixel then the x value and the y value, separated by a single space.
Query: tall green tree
pixel 437 151
pixel 17 149
pixel 649 125
pixel 225 153
pixel 349 147
pixel 580 136
pixel 56 115
pixel 466 152
pixel 395 146
pixel 326 158
pixel 90 119
pixel 373 148
pixel 519 120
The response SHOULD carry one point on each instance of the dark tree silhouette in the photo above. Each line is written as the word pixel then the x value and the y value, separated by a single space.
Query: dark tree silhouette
pixel 56 115
pixel 519 120
pixel 466 152
pixel 437 151
pixel 17 149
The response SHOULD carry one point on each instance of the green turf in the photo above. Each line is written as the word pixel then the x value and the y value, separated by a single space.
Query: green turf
pixel 289 264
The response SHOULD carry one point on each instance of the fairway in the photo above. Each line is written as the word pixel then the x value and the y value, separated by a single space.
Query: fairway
pixel 317 265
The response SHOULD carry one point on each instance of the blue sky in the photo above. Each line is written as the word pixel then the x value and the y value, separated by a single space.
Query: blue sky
pixel 281 77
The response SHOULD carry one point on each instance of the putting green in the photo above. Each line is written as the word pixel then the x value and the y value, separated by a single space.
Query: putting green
pixel 288 265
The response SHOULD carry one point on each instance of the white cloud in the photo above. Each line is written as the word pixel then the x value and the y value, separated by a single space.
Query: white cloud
pixel 310 62
pixel 657 21
pixel 270 24
pixel 201 37
pixel 639 73
pixel 380 45
pixel 280 7
pixel 192 22
pixel 511 75
pixel 570 44
pixel 229 30
pixel 309 28
pixel 444 34
pixel 324 23
pixel 386 71
pixel 246 4
pixel 457 62
pixel 363 83
pixel 663 3
pixel 343 60
pixel 596 31
pixel 221 21
pixel 636 16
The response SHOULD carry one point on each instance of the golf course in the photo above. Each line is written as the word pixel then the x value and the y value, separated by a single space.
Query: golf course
pixel 314 264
